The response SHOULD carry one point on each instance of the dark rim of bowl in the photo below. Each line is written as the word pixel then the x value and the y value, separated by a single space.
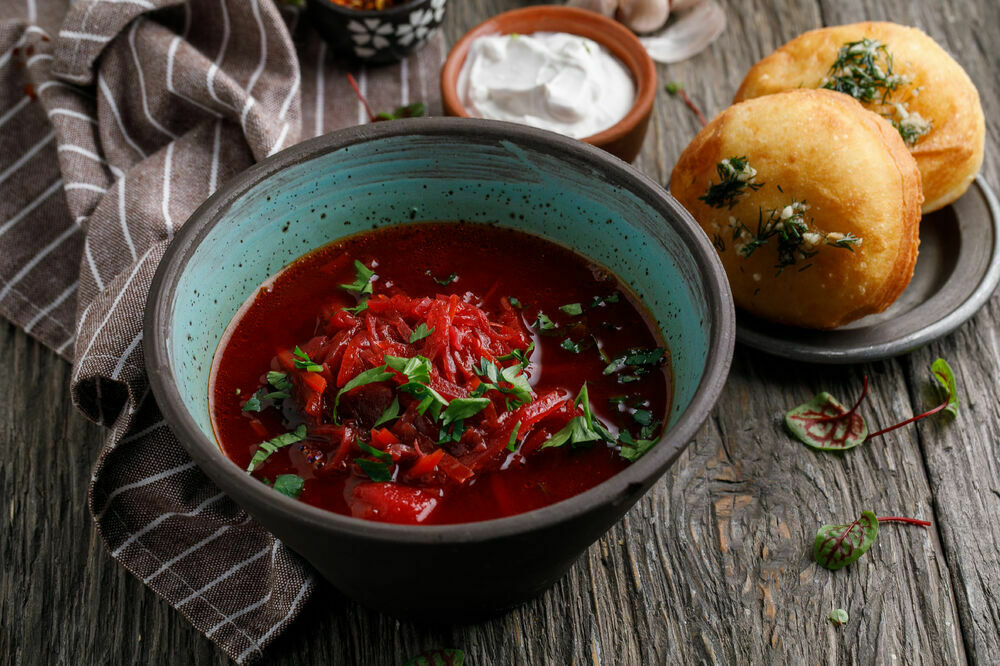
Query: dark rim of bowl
pixel 621 488
pixel 370 13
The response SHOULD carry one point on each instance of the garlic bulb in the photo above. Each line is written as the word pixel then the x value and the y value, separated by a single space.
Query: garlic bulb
pixel 643 15
pixel 606 7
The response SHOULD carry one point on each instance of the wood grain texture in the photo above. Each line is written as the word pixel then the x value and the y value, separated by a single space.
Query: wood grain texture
pixel 713 566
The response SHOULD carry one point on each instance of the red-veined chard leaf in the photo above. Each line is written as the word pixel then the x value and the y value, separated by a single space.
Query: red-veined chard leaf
pixel 836 546
pixel 825 424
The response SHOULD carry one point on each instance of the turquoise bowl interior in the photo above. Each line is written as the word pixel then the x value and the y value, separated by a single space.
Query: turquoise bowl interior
pixel 409 179
pixel 412 172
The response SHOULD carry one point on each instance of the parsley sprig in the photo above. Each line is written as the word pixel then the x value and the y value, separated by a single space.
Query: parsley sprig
pixel 863 70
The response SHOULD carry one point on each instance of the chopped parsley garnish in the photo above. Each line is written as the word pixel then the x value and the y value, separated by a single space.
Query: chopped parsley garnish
pixel 515 303
pixel 462 408
pixel 571 346
pixel 290 485
pixel 362 281
pixel 632 449
pixel 255 403
pixel 303 362
pixel 360 307
pixel 444 282
pixel 601 301
pixel 265 449
pixel 572 309
pixel 512 442
pixel 520 388
pixel 376 471
pixel 640 360
pixel 279 381
pixel 736 176
pixel 545 325
pixel 371 376
pixel 642 416
pixel 520 355
pixel 391 412
pixel 582 429
pixel 420 333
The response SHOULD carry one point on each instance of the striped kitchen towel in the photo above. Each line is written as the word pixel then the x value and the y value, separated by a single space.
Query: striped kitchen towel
pixel 117 119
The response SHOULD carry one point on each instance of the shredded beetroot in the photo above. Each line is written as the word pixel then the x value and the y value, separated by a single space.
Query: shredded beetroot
pixel 461 335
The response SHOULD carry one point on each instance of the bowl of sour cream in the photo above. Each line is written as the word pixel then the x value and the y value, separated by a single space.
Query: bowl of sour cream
pixel 561 69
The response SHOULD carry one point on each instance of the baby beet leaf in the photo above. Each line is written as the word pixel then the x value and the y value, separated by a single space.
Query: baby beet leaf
pixel 836 546
pixel 839 616
pixel 825 424
pixel 944 375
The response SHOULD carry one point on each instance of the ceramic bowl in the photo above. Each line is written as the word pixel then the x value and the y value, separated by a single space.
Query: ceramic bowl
pixel 377 36
pixel 623 139
pixel 407 172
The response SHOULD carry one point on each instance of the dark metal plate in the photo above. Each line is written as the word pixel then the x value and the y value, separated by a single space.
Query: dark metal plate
pixel 957 270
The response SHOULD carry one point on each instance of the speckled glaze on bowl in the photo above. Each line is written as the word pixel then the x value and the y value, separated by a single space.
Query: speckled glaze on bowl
pixel 623 139
pixel 410 171
pixel 377 36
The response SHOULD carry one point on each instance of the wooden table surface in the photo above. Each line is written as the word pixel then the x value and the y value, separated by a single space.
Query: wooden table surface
pixel 712 566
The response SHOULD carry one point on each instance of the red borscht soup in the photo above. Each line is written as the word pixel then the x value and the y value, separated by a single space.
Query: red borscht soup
pixel 439 373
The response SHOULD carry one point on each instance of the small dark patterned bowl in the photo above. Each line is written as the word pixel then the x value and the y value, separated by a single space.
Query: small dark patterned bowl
pixel 381 36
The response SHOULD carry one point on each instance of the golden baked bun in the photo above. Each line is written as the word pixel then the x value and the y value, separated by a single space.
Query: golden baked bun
pixel 819 226
pixel 932 88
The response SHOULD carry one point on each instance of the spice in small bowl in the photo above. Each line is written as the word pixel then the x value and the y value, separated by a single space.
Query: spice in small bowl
pixel 376 31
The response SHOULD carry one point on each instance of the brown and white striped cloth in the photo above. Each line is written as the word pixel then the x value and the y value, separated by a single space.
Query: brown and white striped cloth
pixel 117 119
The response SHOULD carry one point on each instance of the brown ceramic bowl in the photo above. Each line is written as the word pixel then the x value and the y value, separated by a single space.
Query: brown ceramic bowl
pixel 623 140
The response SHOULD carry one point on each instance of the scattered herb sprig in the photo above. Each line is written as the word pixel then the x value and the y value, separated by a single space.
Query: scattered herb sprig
pixel 736 177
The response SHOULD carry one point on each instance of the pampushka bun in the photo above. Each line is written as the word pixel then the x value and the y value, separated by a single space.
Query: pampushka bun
pixel 930 93
pixel 819 226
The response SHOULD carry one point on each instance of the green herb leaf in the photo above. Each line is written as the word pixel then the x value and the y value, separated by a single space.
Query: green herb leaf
pixel 544 324
pixel 673 87
pixel 462 408
pixel 303 362
pixel 253 404
pixel 632 449
pixel 443 282
pixel 420 333
pixel 571 346
pixel 643 359
pixel 416 368
pixel 376 471
pixel 449 657
pixel 372 376
pixel 375 453
pixel 836 546
pixel 289 484
pixel 736 177
pixel 580 430
pixel 360 307
pixel 642 416
pixel 414 110
pixel 839 616
pixel 265 449
pixel 943 373
pixel 279 381
pixel 362 281
pixel 391 412
pixel 572 309
pixel 515 303
pixel 825 424
pixel 512 442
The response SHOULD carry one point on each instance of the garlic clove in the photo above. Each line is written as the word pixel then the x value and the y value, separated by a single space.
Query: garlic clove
pixel 643 15
pixel 689 35
pixel 605 7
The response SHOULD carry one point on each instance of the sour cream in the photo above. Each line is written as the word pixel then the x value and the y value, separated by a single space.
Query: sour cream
pixel 552 80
